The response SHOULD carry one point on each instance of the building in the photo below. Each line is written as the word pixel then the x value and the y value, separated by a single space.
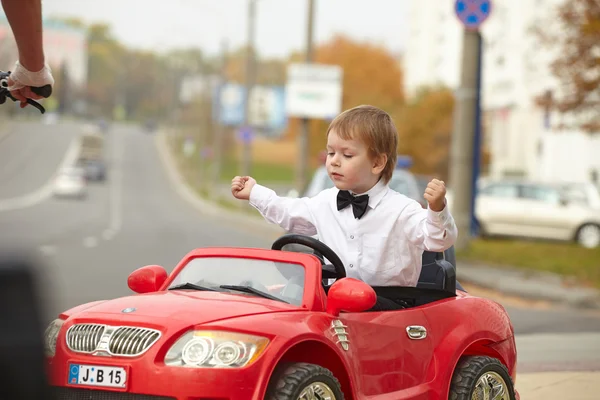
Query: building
pixel 520 135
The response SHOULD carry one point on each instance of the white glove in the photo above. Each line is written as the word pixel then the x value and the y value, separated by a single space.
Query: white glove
pixel 21 77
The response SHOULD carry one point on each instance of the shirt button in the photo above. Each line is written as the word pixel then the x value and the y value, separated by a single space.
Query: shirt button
pixel 351 265
pixel 351 236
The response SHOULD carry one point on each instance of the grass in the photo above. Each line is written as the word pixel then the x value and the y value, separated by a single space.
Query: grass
pixel 566 259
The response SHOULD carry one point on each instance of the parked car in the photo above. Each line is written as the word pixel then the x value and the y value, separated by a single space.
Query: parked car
pixel 402 181
pixel 557 211
pixel 71 182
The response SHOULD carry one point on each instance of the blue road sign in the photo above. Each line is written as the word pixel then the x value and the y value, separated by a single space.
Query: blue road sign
pixel 472 13
pixel 245 134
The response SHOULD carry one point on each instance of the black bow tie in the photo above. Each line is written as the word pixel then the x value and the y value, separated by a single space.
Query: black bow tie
pixel 359 203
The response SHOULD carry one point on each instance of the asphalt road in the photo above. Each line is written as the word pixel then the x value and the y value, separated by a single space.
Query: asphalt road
pixel 135 218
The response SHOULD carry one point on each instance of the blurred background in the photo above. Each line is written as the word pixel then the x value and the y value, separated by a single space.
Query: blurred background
pixel 158 105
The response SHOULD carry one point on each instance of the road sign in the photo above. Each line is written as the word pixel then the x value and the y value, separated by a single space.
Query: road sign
pixel 266 111
pixel 472 13
pixel 245 134
pixel 314 91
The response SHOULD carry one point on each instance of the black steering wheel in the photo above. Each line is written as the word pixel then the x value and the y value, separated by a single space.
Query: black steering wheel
pixel 335 270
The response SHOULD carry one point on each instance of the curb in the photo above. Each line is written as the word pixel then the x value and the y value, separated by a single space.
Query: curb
pixel 206 207
pixel 530 285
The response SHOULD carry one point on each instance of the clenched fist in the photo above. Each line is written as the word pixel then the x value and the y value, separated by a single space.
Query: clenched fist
pixel 241 187
pixel 435 194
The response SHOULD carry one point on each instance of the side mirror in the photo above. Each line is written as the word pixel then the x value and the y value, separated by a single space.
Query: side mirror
pixel 351 295
pixel 147 279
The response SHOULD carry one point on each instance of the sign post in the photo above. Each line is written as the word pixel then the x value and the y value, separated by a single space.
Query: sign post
pixel 466 138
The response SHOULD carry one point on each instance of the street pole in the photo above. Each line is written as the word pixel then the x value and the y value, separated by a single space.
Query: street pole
pixel 220 128
pixel 303 137
pixel 465 139
pixel 250 76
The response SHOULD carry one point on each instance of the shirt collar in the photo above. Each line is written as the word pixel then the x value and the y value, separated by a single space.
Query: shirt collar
pixel 376 193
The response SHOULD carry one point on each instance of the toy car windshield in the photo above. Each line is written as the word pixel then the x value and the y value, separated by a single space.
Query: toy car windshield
pixel 271 279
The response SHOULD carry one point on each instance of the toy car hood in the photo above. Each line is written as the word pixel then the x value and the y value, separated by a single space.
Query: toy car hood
pixel 191 308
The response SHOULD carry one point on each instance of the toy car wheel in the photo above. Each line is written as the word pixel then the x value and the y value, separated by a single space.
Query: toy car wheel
pixel 481 378
pixel 302 381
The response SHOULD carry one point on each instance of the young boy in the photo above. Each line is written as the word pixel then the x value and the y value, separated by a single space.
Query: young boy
pixel 378 233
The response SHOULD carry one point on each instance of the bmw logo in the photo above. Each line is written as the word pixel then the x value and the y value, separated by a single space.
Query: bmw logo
pixel 128 310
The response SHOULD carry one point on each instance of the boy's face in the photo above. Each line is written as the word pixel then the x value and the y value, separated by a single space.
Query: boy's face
pixel 349 165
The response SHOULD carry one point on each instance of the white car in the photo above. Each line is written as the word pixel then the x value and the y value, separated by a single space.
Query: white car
pixel 402 182
pixel 556 211
pixel 71 182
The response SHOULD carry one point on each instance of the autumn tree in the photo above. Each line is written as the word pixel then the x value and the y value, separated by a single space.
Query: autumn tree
pixel 425 127
pixel 577 65
pixel 105 77
pixel 269 71
pixel 371 75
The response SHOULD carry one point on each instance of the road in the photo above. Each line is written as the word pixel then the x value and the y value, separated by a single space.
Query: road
pixel 136 218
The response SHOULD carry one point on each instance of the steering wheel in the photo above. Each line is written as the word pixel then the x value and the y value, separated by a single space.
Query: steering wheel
pixel 335 270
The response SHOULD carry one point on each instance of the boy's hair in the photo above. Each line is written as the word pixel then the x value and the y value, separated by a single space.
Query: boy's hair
pixel 375 128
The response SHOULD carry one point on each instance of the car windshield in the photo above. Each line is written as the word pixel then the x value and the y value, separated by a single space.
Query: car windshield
pixel 282 280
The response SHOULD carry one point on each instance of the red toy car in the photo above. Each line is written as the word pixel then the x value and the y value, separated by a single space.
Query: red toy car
pixel 243 324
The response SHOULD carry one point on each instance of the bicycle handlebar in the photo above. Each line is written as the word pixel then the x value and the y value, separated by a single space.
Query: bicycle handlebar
pixel 44 91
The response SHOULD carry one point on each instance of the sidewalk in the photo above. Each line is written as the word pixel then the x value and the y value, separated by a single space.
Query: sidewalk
pixel 558 386
pixel 527 285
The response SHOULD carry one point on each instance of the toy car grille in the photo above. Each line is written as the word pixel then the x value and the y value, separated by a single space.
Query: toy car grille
pixel 84 338
pixel 117 341
pixel 66 393
pixel 129 341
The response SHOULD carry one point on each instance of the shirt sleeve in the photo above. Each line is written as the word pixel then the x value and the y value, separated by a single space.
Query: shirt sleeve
pixel 292 214
pixel 434 231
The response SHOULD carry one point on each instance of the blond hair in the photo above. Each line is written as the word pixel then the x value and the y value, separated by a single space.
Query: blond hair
pixel 375 128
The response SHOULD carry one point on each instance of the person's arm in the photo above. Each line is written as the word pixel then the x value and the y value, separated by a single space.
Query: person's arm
pixel 293 215
pixel 432 230
pixel 25 19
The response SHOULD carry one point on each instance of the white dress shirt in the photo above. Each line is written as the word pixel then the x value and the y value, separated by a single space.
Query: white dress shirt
pixel 383 248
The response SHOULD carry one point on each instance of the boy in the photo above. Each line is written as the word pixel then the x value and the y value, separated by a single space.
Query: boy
pixel 378 233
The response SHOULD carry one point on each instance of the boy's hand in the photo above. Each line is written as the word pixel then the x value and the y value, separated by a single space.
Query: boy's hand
pixel 241 187
pixel 435 194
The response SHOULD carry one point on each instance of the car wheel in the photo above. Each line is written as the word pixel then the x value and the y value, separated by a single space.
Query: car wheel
pixel 481 377
pixel 303 381
pixel 588 236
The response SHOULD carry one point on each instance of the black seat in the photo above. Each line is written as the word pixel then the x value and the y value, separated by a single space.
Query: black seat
pixel 437 272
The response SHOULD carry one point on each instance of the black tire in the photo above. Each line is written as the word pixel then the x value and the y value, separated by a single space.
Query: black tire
pixel 289 380
pixel 470 369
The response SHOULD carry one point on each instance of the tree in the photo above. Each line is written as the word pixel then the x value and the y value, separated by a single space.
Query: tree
pixel 371 75
pixel 105 61
pixel 425 127
pixel 577 66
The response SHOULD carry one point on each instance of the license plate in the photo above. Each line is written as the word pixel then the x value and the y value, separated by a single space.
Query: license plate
pixel 97 375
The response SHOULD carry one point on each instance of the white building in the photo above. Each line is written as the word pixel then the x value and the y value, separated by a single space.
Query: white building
pixel 515 71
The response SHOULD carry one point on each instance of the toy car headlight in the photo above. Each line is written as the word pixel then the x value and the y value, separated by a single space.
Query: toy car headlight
pixel 50 337
pixel 215 349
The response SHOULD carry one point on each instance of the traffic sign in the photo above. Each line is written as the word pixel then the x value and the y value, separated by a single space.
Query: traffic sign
pixel 313 90
pixel 472 13
pixel 245 134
